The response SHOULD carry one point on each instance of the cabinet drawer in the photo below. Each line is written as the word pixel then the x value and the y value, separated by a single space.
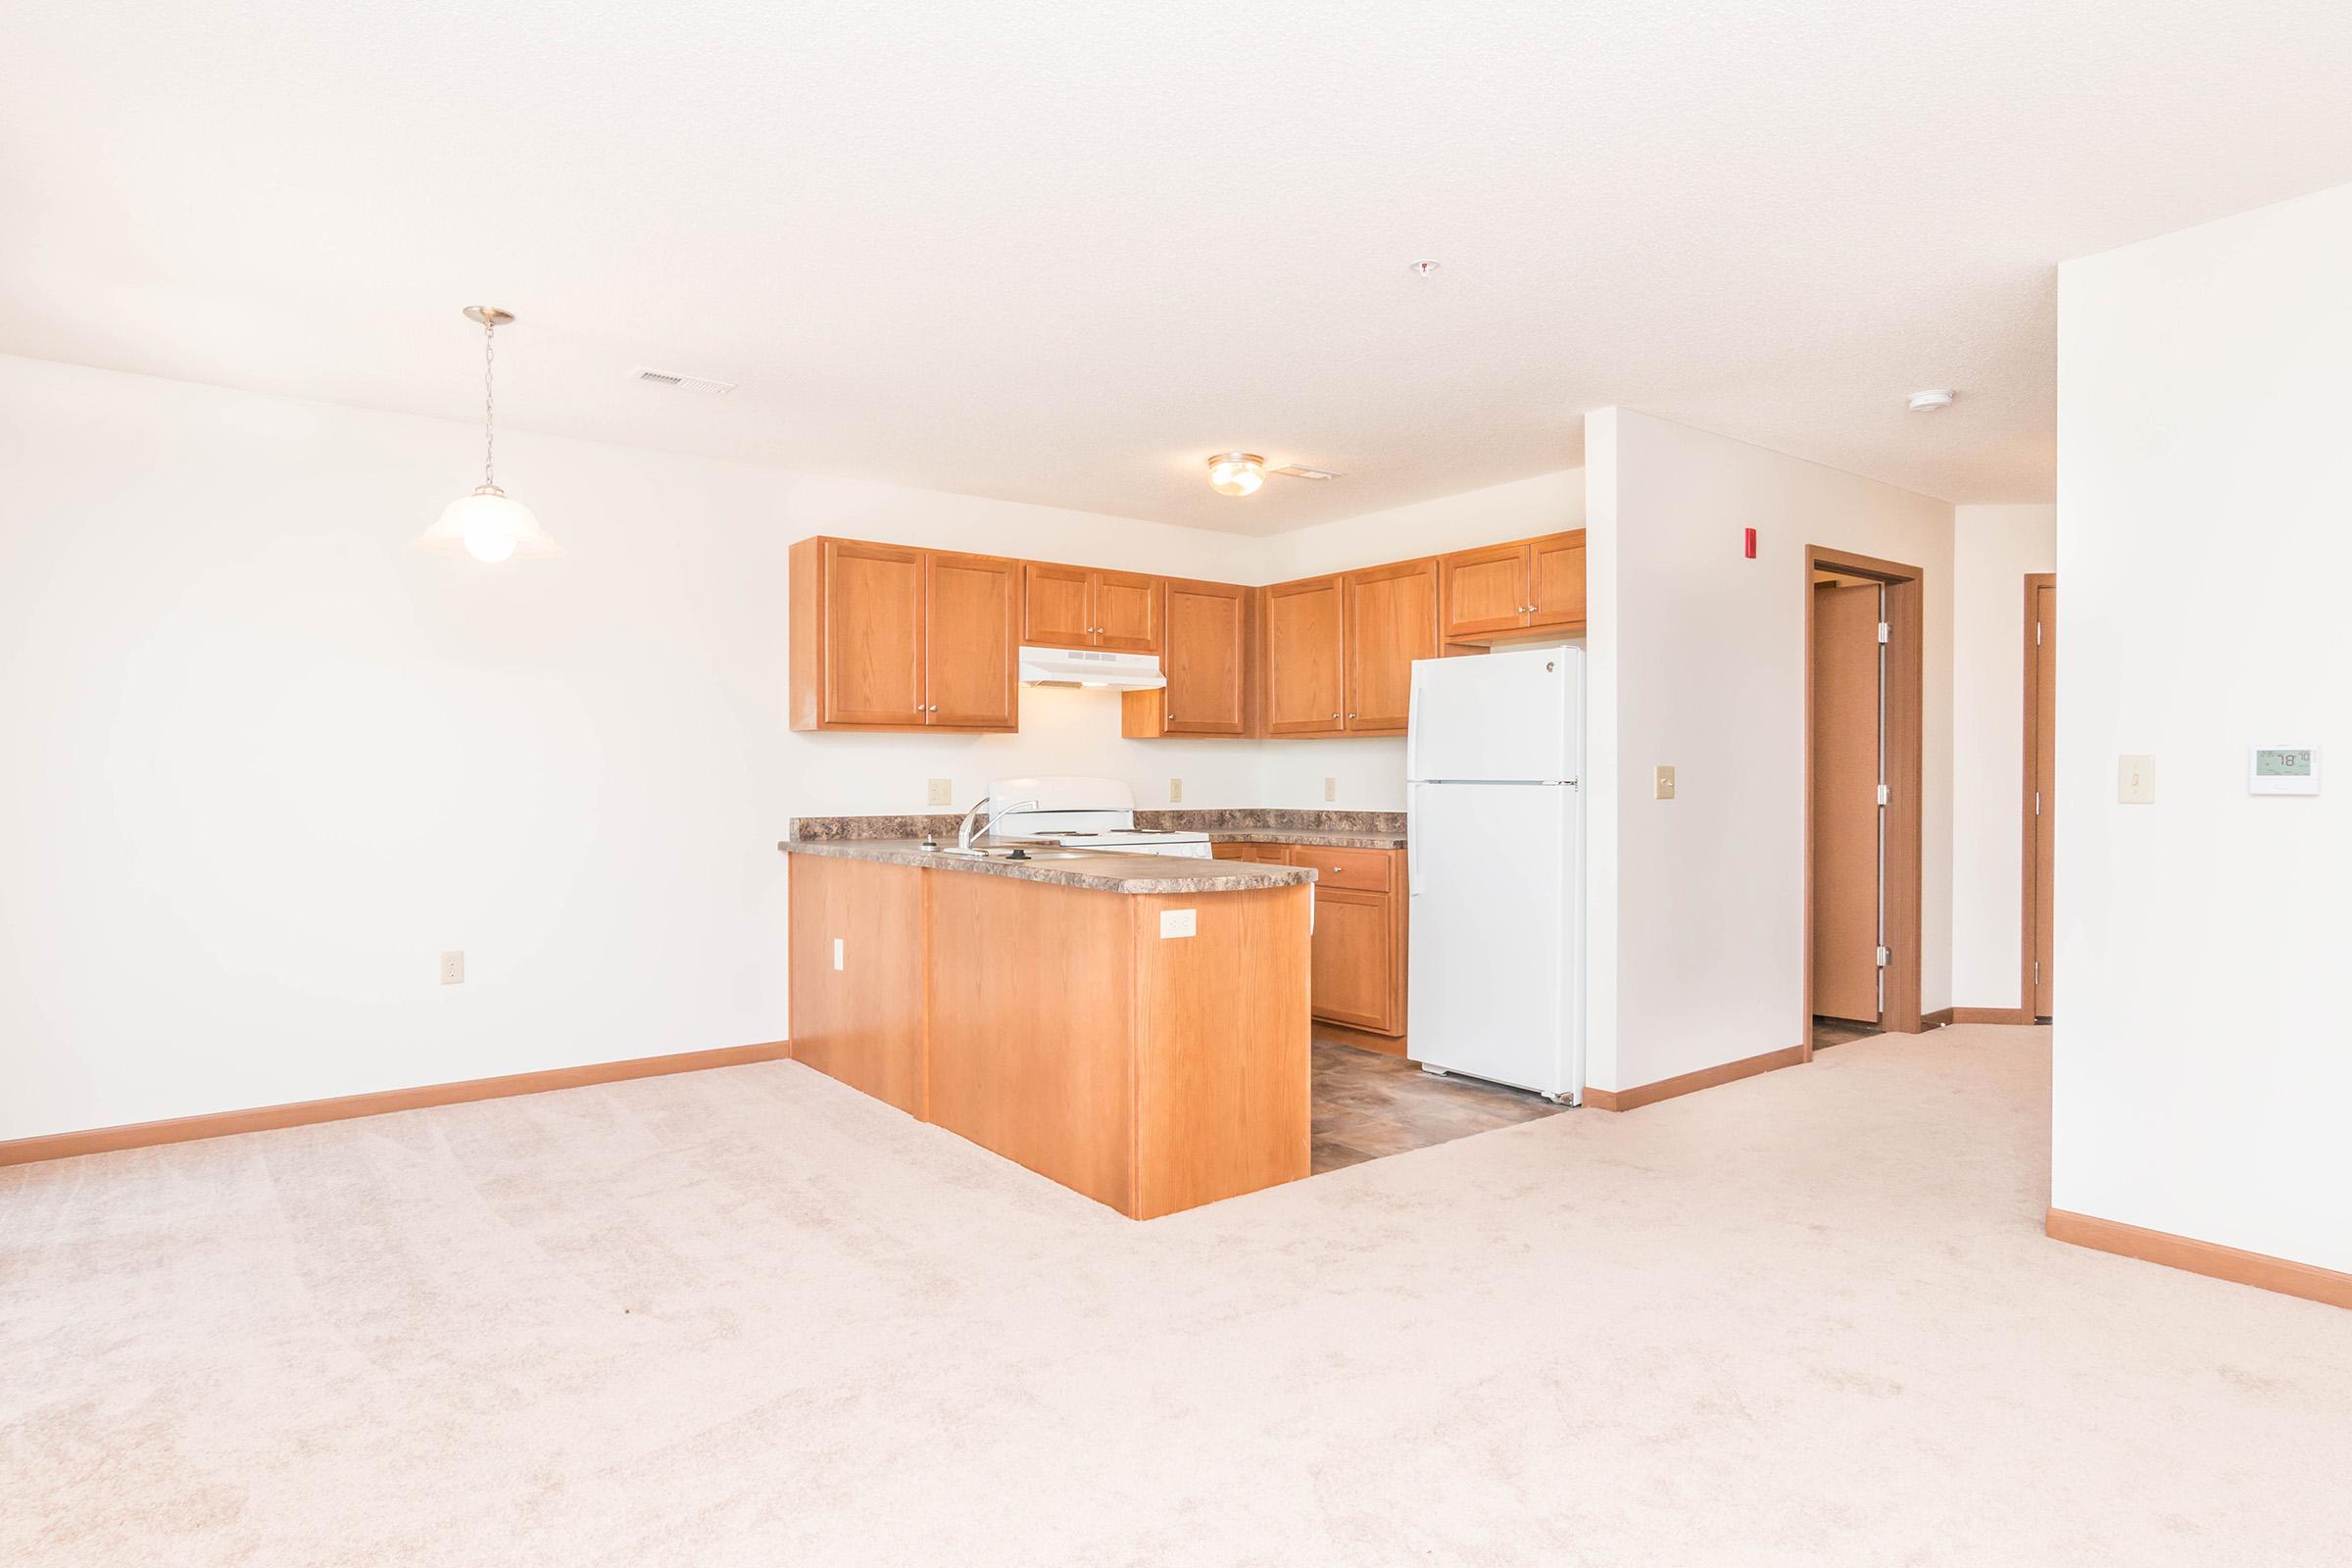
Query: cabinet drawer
pixel 1358 870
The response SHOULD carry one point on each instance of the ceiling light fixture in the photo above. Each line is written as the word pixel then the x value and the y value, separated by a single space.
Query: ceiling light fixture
pixel 1932 401
pixel 488 524
pixel 1236 474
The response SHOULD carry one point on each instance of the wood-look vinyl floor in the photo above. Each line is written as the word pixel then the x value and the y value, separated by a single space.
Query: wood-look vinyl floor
pixel 1840 1032
pixel 1368 1104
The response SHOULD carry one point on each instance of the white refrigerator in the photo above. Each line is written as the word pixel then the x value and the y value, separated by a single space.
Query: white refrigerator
pixel 1496 862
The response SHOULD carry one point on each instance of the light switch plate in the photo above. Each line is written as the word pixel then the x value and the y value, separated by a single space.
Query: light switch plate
pixel 2136 780
pixel 1179 922
pixel 452 969
pixel 1331 789
pixel 1175 790
pixel 942 792
pixel 1665 782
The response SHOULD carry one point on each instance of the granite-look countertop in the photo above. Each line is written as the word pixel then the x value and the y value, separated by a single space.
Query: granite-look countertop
pixel 1106 873
pixel 1331 830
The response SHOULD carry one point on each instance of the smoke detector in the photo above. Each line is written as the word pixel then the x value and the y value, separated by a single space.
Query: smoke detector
pixel 708 386
pixel 1932 401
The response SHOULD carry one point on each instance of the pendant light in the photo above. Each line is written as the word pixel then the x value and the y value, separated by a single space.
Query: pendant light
pixel 489 524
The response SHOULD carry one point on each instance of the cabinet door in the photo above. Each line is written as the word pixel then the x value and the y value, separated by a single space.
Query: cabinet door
pixel 1127 612
pixel 1485 590
pixel 1353 965
pixel 1391 621
pixel 1058 605
pixel 873 627
pixel 969 657
pixel 1557 567
pixel 1207 662
pixel 1305 668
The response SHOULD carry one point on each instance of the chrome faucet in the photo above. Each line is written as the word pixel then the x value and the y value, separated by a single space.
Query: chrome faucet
pixel 963 834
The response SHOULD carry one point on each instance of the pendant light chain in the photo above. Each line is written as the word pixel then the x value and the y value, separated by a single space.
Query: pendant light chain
pixel 489 405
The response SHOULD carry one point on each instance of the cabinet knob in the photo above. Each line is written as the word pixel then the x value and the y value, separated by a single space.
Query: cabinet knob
pixel 1335 715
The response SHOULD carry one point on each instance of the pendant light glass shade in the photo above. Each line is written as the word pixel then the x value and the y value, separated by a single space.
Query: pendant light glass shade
pixel 488 524
pixel 491 526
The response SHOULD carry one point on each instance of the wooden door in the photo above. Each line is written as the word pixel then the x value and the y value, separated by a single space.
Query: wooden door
pixel 2044 693
pixel 1305 658
pixel 1557 581
pixel 1845 801
pixel 873 627
pixel 1484 591
pixel 1391 621
pixel 1354 957
pixel 1057 605
pixel 1207 662
pixel 971 659
pixel 1127 612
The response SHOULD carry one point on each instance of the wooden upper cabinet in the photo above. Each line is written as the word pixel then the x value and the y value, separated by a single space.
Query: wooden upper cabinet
pixel 1071 606
pixel 1127 612
pixel 1306 671
pixel 971 661
pixel 1483 590
pixel 1057 605
pixel 1556 580
pixel 1391 621
pixel 887 637
pixel 873 621
pixel 1207 663
pixel 1500 590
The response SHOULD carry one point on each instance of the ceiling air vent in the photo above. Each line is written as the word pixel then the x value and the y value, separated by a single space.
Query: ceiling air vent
pixel 1293 470
pixel 704 384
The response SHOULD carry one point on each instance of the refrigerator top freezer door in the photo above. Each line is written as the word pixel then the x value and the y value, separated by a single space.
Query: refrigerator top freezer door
pixel 1499 717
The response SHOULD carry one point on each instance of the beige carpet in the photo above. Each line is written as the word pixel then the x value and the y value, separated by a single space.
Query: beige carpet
pixel 749 1316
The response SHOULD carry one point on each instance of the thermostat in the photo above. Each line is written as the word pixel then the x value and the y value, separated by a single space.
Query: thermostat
pixel 2282 770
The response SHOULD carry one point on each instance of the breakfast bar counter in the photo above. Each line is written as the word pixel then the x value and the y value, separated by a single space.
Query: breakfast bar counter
pixel 1133 1026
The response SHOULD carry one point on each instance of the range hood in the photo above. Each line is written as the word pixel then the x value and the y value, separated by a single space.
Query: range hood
pixel 1088 667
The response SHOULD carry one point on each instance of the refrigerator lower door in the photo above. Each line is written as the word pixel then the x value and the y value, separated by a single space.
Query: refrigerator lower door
pixel 1495 973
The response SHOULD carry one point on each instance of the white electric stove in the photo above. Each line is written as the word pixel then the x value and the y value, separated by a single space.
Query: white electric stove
pixel 1080 813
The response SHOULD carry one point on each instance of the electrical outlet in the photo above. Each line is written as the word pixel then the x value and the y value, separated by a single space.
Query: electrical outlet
pixel 1331 789
pixel 2136 780
pixel 1665 782
pixel 452 969
pixel 1179 922
pixel 1175 790
pixel 941 793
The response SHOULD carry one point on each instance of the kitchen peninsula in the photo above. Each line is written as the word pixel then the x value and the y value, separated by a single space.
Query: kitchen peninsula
pixel 1134 1027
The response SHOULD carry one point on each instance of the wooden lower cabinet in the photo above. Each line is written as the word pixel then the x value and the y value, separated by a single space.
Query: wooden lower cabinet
pixel 1361 929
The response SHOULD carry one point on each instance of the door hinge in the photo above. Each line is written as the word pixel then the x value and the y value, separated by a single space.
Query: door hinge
pixel 1882 795
pixel 1885 633
pixel 2037 802
pixel 2037 634
pixel 1886 956
pixel 2038 972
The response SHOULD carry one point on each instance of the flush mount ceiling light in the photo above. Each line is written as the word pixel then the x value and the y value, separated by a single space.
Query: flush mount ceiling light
pixel 1236 474
pixel 1932 401
pixel 488 524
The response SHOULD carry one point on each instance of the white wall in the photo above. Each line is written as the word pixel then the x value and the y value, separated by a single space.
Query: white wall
pixel 1370 774
pixel 1697 658
pixel 268 761
pixel 2202 1063
pixel 1993 549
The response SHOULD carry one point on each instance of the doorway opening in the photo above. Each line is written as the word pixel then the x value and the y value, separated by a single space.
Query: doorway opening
pixel 2035 964
pixel 1863 727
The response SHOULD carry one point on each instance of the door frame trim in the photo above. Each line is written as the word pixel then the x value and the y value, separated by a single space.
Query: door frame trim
pixel 2029 925
pixel 1905 735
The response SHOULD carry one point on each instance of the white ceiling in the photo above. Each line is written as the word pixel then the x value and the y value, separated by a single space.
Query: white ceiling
pixel 1061 252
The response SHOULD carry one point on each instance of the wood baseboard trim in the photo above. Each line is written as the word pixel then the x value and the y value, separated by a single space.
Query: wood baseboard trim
pixel 1937 1019
pixel 2258 1269
pixel 302 1114
pixel 1360 1039
pixel 1690 1083
pixel 1991 1015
